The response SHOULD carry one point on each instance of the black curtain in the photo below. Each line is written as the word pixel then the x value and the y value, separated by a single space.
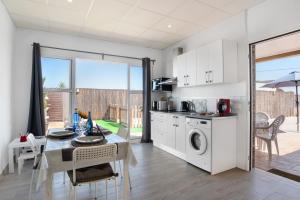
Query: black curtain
pixel 146 136
pixel 36 120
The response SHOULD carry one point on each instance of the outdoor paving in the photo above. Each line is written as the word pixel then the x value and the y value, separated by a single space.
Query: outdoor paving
pixel 289 150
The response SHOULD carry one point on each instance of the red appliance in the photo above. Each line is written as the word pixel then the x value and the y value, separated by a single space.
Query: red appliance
pixel 223 106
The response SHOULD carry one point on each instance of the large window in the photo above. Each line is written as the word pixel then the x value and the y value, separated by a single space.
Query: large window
pixel 111 91
pixel 57 89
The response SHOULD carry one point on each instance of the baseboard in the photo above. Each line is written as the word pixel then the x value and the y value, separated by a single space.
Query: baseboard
pixel 170 150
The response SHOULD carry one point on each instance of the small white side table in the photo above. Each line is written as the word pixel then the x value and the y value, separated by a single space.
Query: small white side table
pixel 16 144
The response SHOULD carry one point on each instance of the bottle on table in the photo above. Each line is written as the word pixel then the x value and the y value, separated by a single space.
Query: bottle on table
pixel 76 120
pixel 89 125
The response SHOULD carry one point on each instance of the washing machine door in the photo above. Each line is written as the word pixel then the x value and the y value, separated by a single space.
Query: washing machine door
pixel 197 141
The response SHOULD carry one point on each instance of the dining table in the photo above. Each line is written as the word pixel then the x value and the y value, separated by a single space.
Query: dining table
pixel 53 160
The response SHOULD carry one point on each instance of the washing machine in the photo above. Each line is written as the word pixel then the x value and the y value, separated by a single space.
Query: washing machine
pixel 198 143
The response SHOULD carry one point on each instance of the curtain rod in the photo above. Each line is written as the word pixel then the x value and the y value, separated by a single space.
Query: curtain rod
pixel 91 52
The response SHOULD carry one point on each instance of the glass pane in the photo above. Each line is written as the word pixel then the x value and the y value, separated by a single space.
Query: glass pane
pixel 101 87
pixel 56 73
pixel 57 109
pixel 136 78
pixel 136 101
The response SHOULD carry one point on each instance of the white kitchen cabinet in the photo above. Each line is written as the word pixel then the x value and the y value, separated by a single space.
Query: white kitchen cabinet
pixel 213 63
pixel 179 67
pixel 185 69
pixel 221 62
pixel 154 126
pixel 191 68
pixel 180 133
pixel 168 132
pixel 202 68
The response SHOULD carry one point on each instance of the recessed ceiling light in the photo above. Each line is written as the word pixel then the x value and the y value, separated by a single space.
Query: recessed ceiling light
pixel 169 25
pixel 70 1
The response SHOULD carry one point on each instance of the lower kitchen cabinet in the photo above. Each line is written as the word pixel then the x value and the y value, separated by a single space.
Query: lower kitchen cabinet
pixel 168 132
pixel 180 134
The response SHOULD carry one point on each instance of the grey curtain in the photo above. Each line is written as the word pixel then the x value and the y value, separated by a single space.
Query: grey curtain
pixel 36 119
pixel 146 136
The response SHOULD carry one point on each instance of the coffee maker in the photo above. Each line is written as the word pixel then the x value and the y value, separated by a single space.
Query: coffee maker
pixel 223 106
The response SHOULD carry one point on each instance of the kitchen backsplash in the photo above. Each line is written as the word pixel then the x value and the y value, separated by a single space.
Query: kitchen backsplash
pixel 209 104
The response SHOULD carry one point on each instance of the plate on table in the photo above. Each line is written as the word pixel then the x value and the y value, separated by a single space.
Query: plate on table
pixel 57 132
pixel 89 139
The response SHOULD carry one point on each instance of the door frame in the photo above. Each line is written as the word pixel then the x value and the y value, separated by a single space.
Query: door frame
pixel 252 88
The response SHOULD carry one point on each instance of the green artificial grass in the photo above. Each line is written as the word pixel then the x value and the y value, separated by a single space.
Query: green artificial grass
pixel 114 126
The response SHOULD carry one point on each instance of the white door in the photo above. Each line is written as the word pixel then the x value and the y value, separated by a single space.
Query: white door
pixel 191 68
pixel 181 70
pixel 216 62
pixel 154 127
pixel 202 65
pixel 180 134
pixel 169 131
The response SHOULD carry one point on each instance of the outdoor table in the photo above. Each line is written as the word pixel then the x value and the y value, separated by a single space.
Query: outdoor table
pixel 52 160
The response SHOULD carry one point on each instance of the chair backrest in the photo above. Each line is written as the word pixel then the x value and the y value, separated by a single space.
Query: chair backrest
pixel 94 155
pixel 123 132
pixel 276 124
pixel 34 146
pixel 262 117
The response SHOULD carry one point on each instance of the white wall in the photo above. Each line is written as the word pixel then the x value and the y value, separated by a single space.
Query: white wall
pixel 7 31
pixel 272 18
pixel 22 65
pixel 268 19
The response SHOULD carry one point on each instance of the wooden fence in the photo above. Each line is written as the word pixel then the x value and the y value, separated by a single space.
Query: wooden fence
pixel 98 101
pixel 119 114
pixel 103 104
pixel 276 103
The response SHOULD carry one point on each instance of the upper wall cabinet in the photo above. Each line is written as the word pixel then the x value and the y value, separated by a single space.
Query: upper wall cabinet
pixel 213 63
pixel 185 69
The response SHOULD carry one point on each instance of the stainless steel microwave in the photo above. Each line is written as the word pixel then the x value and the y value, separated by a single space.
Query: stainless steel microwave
pixel 157 86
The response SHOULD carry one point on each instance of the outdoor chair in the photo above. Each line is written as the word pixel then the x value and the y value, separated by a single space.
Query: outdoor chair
pixel 269 134
pixel 261 119
pixel 99 168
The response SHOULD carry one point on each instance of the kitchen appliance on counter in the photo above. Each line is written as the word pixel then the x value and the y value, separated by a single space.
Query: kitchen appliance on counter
pixel 154 105
pixel 162 105
pixel 158 86
pixel 223 106
pixel 184 106
pixel 187 106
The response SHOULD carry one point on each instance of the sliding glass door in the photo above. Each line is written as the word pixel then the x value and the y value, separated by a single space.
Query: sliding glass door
pixel 101 88
pixel 111 91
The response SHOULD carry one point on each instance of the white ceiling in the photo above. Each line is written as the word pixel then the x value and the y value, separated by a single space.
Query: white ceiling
pixel 143 22
pixel 277 46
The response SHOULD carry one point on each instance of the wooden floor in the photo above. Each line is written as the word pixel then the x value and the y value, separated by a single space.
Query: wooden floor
pixel 161 176
pixel 289 154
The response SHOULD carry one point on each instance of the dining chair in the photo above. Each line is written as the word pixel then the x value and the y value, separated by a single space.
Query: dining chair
pixel 35 148
pixel 261 119
pixel 99 168
pixel 271 134
pixel 124 133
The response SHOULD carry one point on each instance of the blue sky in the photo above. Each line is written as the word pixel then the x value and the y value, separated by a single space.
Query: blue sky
pixel 271 70
pixel 91 74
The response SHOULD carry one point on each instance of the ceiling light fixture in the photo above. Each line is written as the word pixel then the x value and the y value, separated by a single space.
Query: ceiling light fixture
pixel 169 25
pixel 70 1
